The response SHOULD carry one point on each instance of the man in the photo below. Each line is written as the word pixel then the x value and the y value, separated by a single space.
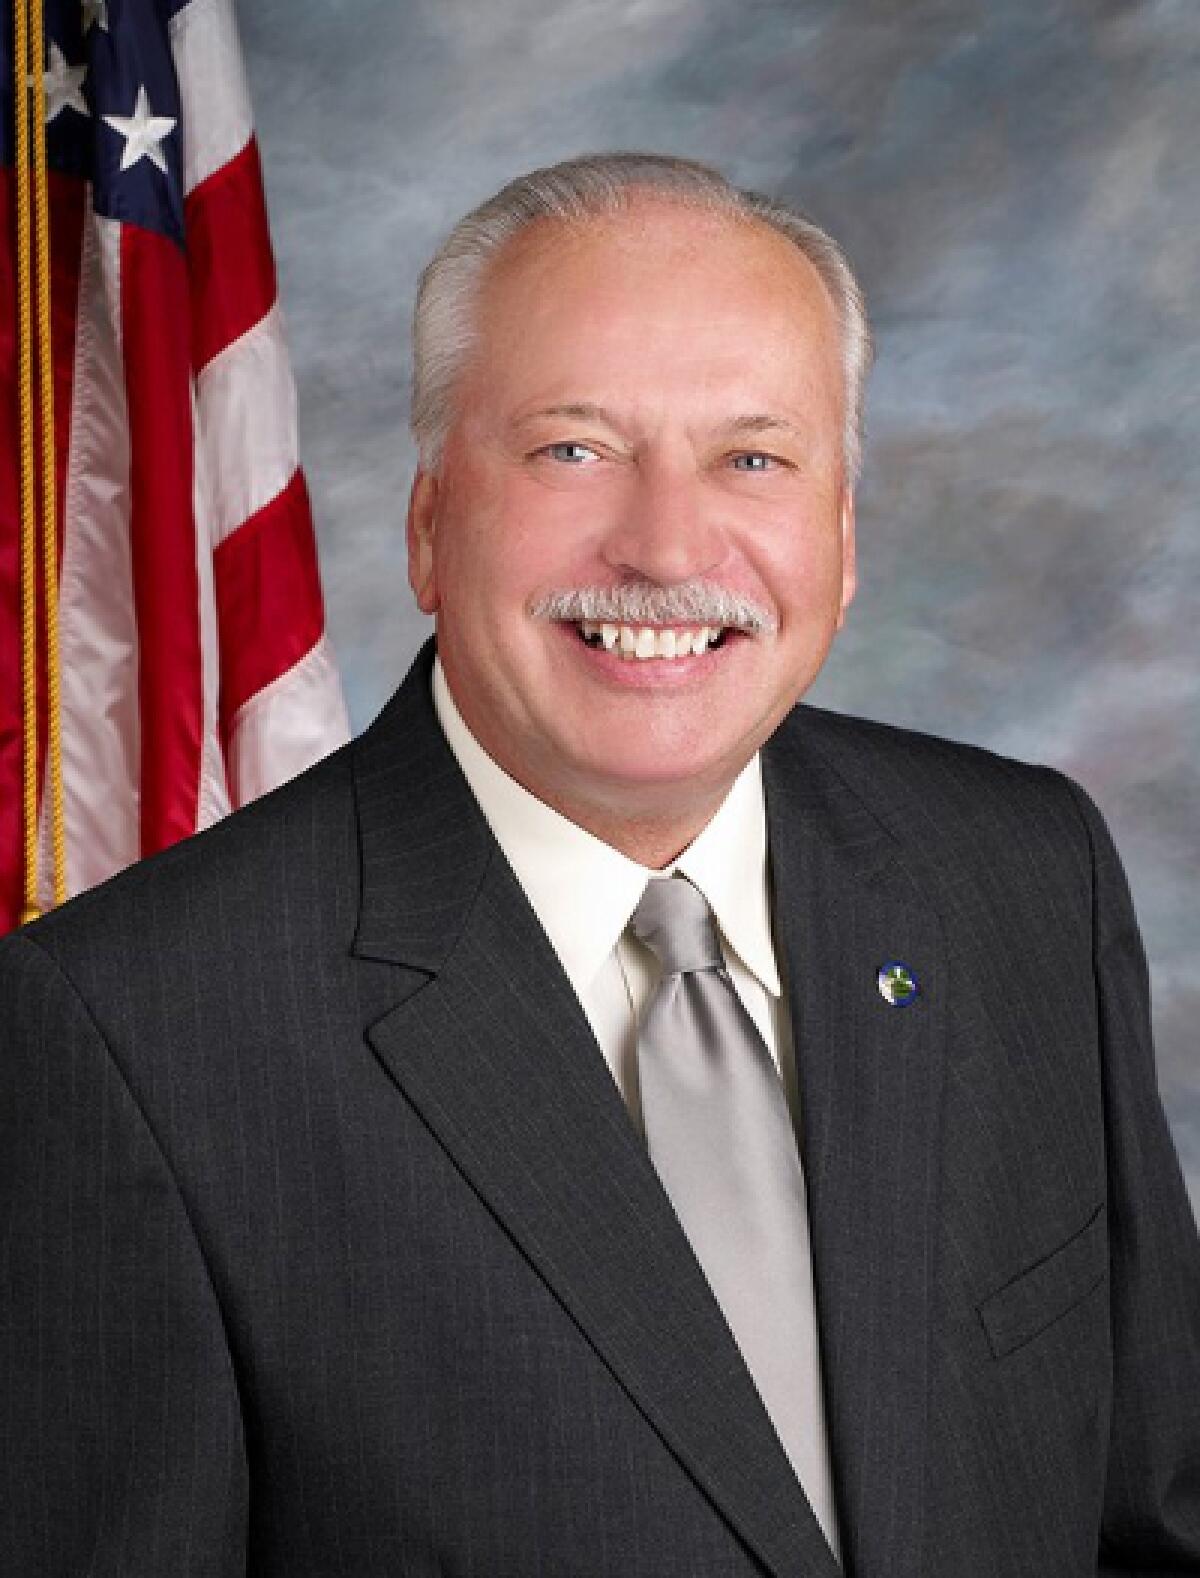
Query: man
pixel 609 1119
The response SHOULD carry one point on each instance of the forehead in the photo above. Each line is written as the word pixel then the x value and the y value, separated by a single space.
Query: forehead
pixel 657 289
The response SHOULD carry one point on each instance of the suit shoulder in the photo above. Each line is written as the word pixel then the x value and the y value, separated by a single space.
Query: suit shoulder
pixel 848 738
pixel 295 844
pixel 949 792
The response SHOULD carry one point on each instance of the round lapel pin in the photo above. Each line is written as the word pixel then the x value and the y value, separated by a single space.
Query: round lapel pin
pixel 897 984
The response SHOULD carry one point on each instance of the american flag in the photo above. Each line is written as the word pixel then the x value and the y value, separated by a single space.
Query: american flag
pixel 195 668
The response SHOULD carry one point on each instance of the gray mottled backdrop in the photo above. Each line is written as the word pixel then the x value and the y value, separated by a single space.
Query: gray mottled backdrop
pixel 1018 185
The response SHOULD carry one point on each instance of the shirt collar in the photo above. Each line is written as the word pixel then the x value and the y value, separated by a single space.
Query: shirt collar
pixel 727 861
pixel 583 891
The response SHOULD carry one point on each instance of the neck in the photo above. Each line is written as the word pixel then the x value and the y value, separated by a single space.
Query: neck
pixel 650 839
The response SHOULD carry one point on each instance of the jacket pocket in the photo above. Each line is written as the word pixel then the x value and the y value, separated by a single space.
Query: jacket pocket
pixel 1036 1298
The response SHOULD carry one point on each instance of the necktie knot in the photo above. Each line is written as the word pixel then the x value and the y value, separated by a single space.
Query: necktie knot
pixel 674 921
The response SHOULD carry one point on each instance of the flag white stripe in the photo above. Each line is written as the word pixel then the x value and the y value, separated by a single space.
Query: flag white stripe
pixel 215 98
pixel 97 623
pixel 212 800
pixel 287 725
pixel 247 410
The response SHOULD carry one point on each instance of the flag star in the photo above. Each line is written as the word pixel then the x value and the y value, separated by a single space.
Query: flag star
pixel 143 132
pixel 94 11
pixel 63 82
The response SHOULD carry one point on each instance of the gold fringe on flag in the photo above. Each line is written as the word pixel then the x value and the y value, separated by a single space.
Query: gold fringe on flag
pixel 33 226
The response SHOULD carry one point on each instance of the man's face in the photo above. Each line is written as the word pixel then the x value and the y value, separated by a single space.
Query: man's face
pixel 655 401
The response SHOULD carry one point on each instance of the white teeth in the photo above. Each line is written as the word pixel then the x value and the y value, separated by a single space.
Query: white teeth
pixel 648 641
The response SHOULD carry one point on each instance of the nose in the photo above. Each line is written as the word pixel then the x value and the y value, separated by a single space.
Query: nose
pixel 666 531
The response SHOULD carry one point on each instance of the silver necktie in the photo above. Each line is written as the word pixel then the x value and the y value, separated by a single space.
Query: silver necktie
pixel 721 1139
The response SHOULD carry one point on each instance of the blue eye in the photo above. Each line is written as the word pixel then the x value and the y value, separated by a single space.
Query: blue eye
pixel 555 451
pixel 754 455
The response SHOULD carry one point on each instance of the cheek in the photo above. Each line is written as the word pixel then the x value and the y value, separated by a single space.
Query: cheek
pixel 491 568
pixel 526 541
pixel 802 571
pixel 477 555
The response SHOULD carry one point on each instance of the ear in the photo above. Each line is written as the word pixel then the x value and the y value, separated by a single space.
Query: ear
pixel 422 514
pixel 849 564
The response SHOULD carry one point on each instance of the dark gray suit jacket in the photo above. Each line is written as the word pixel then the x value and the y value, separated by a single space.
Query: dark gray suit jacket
pixel 328 1246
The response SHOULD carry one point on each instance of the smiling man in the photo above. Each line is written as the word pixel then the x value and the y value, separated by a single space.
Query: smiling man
pixel 612 1118
pixel 637 536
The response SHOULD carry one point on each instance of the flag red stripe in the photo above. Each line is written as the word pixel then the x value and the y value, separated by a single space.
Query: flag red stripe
pixel 66 236
pixel 157 354
pixel 229 255
pixel 268 589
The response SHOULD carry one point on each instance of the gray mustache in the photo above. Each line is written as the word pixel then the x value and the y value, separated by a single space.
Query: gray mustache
pixel 643 603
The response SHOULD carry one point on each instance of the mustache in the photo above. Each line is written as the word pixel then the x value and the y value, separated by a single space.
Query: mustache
pixel 644 603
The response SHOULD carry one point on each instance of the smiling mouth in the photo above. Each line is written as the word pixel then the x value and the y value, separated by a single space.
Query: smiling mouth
pixel 643 642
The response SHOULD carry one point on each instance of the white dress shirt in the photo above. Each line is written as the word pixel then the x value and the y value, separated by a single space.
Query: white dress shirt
pixel 583 891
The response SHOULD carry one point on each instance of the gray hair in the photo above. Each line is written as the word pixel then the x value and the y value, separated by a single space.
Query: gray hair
pixel 574 191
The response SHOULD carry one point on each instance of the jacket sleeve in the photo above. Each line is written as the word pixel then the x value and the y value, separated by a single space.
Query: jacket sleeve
pixel 121 1447
pixel 1151 1512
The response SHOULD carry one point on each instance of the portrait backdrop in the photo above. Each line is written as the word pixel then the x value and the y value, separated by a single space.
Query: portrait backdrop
pixel 1017 188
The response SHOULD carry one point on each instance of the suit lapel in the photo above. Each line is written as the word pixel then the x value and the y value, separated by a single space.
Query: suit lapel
pixel 870 1081
pixel 493 1049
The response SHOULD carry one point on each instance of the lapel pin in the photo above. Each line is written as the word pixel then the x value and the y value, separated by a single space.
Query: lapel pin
pixel 897 984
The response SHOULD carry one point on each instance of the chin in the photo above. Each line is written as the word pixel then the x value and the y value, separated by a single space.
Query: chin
pixel 633 773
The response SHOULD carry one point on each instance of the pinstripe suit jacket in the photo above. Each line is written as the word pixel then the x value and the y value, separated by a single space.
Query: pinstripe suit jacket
pixel 329 1248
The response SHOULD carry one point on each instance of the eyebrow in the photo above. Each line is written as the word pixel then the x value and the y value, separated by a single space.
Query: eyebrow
pixel 581 410
pixel 763 422
pixel 586 411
